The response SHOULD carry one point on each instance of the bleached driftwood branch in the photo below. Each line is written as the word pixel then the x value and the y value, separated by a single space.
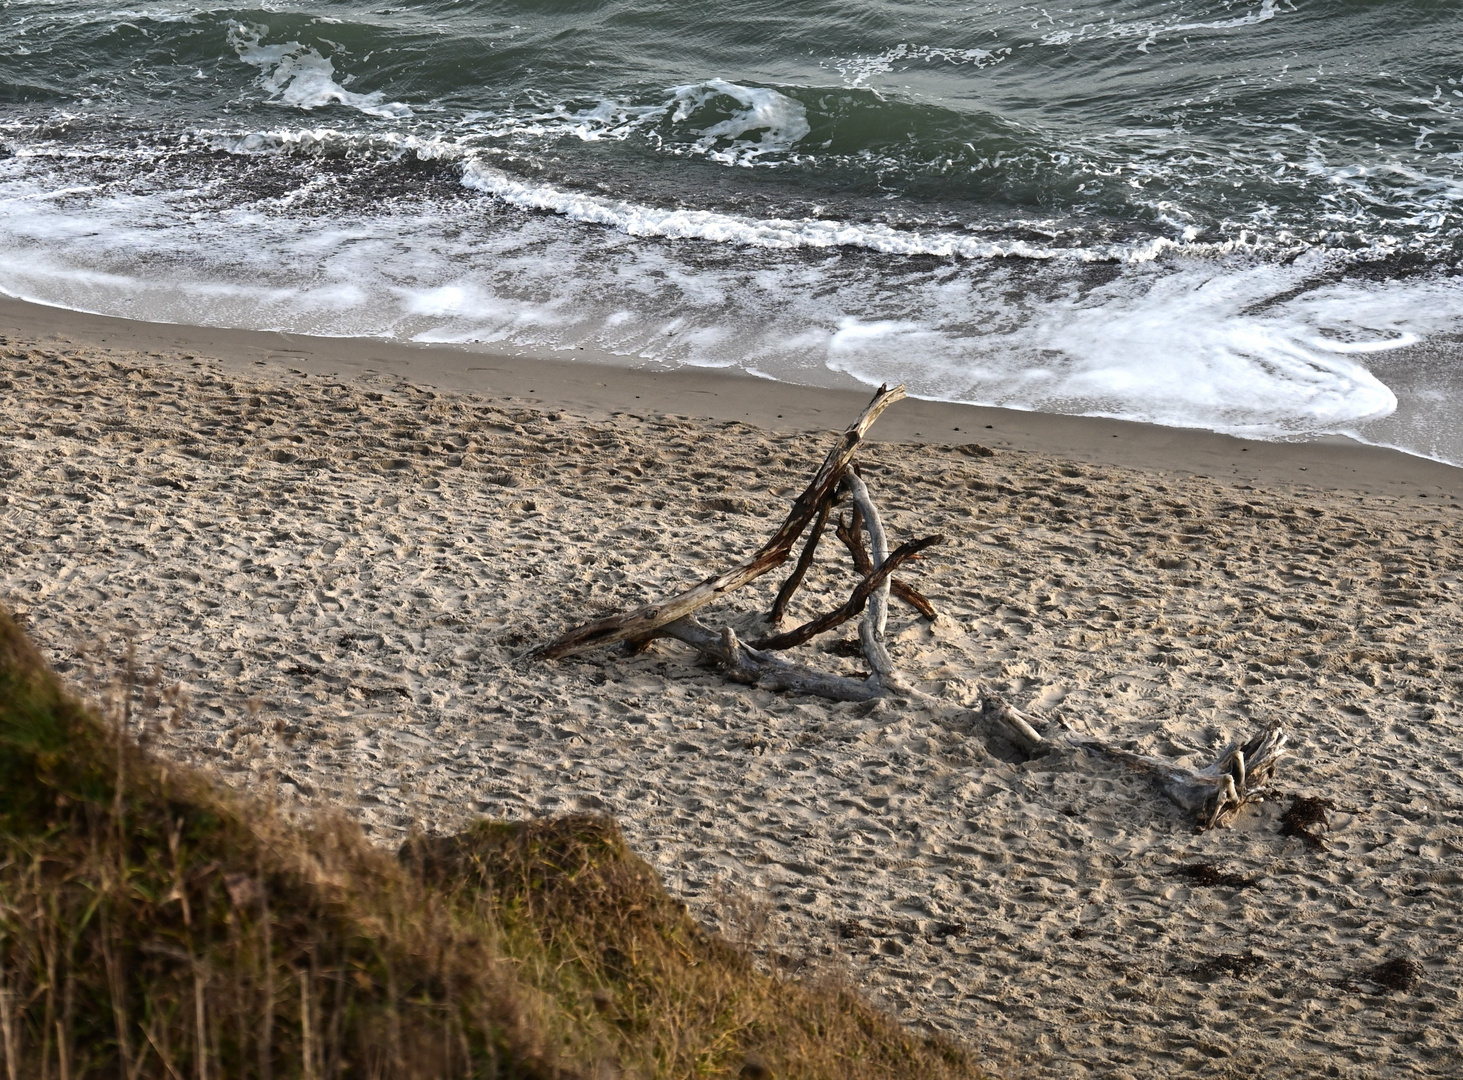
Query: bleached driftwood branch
pixel 743 663
pixel 871 630
pixel 1213 794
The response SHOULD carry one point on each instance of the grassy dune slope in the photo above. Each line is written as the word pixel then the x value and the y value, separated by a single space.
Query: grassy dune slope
pixel 153 924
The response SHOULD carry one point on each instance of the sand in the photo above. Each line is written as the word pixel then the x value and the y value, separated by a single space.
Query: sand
pixel 331 582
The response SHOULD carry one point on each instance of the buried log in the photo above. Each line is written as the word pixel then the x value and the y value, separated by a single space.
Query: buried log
pixel 673 617
pixel 1213 794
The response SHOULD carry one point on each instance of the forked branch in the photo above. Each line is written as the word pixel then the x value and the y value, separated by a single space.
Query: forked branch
pixel 855 604
pixel 850 532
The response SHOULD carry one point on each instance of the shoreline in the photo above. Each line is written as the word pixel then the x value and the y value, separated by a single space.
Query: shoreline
pixel 600 386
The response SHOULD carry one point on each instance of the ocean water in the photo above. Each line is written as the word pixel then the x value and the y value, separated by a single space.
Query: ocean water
pixel 1241 215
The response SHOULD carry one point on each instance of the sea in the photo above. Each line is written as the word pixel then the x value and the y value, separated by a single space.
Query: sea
pixel 1238 215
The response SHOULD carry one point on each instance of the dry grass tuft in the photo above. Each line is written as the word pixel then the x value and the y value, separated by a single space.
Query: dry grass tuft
pixel 155 925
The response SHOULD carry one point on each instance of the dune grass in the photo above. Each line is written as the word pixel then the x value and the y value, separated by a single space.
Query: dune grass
pixel 154 924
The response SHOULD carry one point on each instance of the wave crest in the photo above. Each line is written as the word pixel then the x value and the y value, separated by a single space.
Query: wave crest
pixel 298 75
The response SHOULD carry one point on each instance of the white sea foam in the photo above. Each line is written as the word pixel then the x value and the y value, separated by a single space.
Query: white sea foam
pixel 1225 348
pixel 297 75
pixel 765 125
pixel 1258 349
pixel 783 126
pixel 1401 341
pixel 605 121
pixel 857 71
pixel 1190 348
pixel 779 121
pixel 1153 31
pixel 637 219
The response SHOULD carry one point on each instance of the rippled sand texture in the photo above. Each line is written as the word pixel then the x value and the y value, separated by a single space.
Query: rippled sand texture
pixel 340 579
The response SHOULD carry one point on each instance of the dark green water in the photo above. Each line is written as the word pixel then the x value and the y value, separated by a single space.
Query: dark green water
pixel 1235 215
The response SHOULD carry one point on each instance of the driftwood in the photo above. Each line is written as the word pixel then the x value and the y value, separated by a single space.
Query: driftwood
pixel 743 663
pixel 805 560
pixel 1014 726
pixel 1213 794
pixel 752 663
pixel 863 594
pixel 871 630
pixel 646 620
pixel 850 532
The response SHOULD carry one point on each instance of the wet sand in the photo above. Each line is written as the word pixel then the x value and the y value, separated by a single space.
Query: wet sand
pixel 335 574
pixel 597 387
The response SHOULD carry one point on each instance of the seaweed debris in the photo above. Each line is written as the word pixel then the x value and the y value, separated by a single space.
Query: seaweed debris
pixel 1208 874
pixel 1232 964
pixel 1398 974
pixel 1306 814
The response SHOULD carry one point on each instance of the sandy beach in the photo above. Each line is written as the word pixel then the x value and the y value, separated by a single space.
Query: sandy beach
pixel 331 556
